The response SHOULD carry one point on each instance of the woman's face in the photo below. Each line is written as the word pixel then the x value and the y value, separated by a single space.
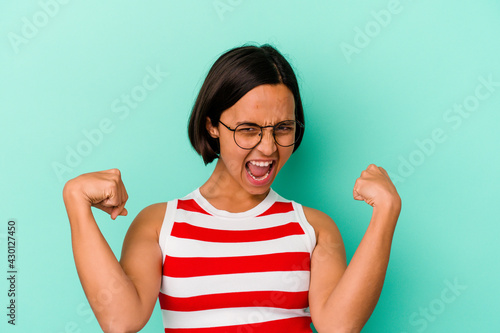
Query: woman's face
pixel 254 170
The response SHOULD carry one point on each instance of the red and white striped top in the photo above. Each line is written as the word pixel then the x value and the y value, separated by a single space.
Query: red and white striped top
pixel 235 272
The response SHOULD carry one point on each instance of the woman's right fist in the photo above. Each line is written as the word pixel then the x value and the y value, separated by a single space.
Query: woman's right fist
pixel 102 189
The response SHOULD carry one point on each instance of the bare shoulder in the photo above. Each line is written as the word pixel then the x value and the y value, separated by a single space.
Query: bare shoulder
pixel 142 238
pixel 153 211
pixel 322 223
pixel 150 218
pixel 141 257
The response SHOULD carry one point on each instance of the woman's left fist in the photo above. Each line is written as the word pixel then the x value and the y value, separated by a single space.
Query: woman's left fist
pixel 376 188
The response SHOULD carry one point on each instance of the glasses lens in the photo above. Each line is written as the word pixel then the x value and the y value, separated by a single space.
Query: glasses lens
pixel 247 135
pixel 284 133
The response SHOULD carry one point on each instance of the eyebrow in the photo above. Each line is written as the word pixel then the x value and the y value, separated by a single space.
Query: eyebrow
pixel 245 123
pixel 251 123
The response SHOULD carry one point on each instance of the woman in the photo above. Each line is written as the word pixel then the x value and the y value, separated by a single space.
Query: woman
pixel 234 256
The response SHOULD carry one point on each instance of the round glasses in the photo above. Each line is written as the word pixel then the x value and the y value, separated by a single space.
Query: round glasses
pixel 249 135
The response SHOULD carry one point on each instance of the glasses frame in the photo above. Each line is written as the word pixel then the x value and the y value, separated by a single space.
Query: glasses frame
pixel 300 126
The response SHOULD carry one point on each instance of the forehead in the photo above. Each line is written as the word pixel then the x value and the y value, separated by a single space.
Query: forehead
pixel 264 104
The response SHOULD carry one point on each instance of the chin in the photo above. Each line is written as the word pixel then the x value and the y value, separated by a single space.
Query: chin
pixel 259 191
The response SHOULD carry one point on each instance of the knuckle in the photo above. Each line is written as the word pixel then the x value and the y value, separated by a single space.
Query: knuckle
pixel 112 184
pixel 115 171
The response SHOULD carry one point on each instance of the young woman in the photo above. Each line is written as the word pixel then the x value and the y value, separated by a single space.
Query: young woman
pixel 233 255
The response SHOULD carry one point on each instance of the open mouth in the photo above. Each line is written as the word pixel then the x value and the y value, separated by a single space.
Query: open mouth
pixel 259 171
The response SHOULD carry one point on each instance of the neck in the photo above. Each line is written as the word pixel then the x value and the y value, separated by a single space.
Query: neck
pixel 223 192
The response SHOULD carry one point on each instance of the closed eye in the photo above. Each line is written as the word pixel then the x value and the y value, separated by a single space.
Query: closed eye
pixel 248 128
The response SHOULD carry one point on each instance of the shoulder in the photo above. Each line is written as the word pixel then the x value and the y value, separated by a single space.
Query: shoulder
pixel 314 215
pixel 324 226
pixel 149 220
pixel 155 210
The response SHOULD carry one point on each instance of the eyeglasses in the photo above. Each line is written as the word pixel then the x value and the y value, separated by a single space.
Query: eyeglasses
pixel 248 135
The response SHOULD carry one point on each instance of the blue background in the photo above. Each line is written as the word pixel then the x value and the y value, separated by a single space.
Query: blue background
pixel 382 82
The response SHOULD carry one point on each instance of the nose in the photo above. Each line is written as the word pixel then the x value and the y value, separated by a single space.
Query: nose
pixel 267 145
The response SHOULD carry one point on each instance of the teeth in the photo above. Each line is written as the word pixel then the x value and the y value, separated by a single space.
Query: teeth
pixel 261 164
pixel 260 178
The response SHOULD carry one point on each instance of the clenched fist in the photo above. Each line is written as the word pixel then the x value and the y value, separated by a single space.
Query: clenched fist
pixel 376 188
pixel 102 189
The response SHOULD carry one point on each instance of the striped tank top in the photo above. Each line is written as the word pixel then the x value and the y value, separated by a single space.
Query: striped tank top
pixel 235 272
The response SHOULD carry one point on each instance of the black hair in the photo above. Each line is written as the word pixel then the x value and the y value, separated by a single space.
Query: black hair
pixel 233 74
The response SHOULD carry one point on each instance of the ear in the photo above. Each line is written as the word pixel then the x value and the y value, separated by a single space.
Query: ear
pixel 212 130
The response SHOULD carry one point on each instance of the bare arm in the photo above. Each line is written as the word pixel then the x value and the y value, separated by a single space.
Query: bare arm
pixel 122 295
pixel 342 299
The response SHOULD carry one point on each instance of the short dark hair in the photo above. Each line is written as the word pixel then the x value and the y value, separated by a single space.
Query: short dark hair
pixel 233 74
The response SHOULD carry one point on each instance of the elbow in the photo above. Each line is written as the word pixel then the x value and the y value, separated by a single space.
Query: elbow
pixel 122 318
pixel 335 328
pixel 120 326
pixel 110 328
pixel 335 324
pixel 119 329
